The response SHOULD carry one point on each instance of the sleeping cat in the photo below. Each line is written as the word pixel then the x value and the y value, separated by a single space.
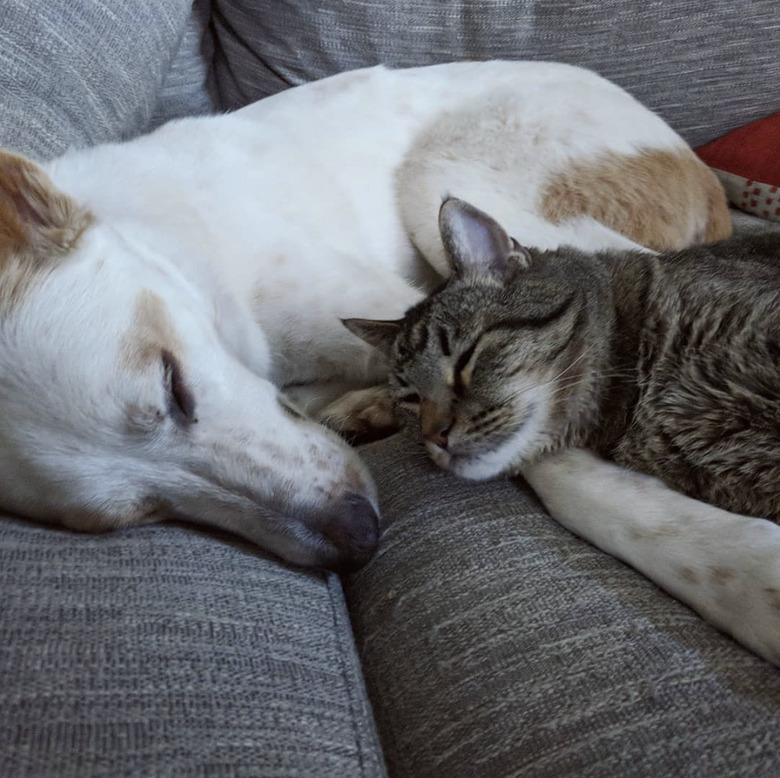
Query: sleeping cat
pixel 669 365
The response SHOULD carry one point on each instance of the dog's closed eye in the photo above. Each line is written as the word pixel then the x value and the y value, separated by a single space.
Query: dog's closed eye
pixel 180 400
pixel 288 407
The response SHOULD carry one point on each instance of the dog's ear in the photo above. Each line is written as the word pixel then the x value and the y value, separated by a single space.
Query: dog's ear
pixel 475 243
pixel 379 333
pixel 33 213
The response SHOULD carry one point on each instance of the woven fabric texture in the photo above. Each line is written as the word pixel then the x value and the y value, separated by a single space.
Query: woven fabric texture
pixel 744 222
pixel 167 652
pixel 83 72
pixel 496 644
pixel 706 67
pixel 184 90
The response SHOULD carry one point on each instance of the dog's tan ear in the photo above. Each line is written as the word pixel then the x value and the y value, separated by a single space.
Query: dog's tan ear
pixel 33 213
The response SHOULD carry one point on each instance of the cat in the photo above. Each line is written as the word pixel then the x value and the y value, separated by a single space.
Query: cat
pixel 667 364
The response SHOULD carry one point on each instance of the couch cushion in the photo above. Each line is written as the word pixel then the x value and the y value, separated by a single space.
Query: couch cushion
pixel 163 651
pixel 495 643
pixel 184 90
pixel 706 66
pixel 82 72
pixel 745 222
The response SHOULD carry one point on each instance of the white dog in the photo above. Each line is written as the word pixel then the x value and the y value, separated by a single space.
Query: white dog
pixel 155 294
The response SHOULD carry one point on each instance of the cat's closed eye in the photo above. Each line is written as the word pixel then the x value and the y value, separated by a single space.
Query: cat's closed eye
pixel 411 398
pixel 460 370
pixel 465 357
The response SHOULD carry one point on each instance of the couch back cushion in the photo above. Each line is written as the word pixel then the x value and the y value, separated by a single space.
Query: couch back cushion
pixel 75 73
pixel 707 66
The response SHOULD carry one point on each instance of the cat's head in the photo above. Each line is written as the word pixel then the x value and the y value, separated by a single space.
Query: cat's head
pixel 497 363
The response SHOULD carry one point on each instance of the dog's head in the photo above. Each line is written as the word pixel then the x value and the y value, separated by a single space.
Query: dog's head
pixel 125 399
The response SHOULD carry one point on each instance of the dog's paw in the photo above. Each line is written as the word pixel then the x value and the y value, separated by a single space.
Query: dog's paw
pixel 361 415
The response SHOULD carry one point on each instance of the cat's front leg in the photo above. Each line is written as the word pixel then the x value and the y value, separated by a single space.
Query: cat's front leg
pixel 723 565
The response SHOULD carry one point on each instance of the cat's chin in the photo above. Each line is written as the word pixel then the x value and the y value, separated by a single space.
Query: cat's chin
pixel 474 467
pixel 470 467
pixel 504 459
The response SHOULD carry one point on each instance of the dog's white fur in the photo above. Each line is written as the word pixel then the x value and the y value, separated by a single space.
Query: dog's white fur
pixel 236 242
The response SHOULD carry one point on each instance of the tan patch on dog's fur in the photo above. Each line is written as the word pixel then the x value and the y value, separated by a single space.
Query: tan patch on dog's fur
pixel 774 597
pixel 688 575
pixel 648 197
pixel 721 575
pixel 38 225
pixel 150 334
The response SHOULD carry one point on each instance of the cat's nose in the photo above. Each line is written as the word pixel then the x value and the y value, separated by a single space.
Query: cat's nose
pixel 435 423
pixel 439 438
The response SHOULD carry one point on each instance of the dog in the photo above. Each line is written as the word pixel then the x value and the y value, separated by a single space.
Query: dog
pixel 157 295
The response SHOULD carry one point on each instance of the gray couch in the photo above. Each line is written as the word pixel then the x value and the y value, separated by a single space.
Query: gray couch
pixel 483 640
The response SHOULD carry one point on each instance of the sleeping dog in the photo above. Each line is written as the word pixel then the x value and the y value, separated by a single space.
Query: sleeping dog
pixel 157 295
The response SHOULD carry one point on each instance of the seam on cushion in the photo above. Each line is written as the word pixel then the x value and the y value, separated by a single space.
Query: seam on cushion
pixel 337 600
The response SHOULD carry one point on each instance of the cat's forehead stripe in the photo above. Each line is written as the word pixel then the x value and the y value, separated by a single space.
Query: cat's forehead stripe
pixel 420 337
pixel 535 322
pixel 444 342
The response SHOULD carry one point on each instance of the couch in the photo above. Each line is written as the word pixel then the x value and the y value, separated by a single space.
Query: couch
pixel 483 640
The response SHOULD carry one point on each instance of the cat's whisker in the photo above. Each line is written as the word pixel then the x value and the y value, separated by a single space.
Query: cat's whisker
pixel 567 368
pixel 559 375
pixel 594 377
pixel 579 358
pixel 521 394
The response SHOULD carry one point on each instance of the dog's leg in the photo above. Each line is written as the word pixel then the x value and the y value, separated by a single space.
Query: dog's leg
pixel 359 415
pixel 311 398
pixel 725 566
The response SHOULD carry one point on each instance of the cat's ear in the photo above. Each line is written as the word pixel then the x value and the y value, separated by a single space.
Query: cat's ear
pixel 477 243
pixel 378 333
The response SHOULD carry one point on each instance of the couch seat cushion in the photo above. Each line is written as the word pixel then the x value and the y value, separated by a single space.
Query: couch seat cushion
pixel 164 651
pixel 497 644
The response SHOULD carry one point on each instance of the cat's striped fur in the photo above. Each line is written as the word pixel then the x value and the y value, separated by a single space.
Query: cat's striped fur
pixel 667 364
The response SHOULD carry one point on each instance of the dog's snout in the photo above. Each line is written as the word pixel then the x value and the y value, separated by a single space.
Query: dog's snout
pixel 354 531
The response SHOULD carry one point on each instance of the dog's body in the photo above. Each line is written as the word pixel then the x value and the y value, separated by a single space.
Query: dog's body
pixel 149 315
pixel 294 200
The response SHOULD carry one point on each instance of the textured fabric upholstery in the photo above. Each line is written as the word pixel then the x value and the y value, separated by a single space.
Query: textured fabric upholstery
pixel 706 66
pixel 75 73
pixel 163 651
pixel 496 644
pixel 745 222
pixel 184 90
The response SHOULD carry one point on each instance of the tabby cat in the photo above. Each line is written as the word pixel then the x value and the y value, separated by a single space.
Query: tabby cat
pixel 667 364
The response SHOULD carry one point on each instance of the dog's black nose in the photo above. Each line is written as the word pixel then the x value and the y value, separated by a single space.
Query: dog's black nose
pixel 354 530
